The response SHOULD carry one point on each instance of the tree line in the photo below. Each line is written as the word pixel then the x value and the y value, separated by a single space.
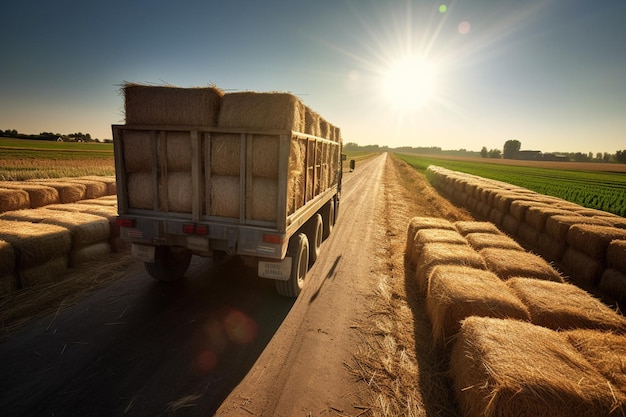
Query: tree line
pixel 76 137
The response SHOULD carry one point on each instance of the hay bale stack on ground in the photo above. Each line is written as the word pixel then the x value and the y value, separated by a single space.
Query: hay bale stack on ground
pixel 428 236
pixel 467 227
pixel 605 351
pixel 613 284
pixel 508 263
pixel 13 199
pixel 108 201
pixel 512 368
pixel 562 306
pixel 616 255
pixel 435 254
pixel 480 241
pixel 41 250
pixel 536 216
pixel 8 277
pixel 519 208
pixel 108 180
pixel 593 240
pixel 420 223
pixel 168 105
pixel 93 188
pixel 39 195
pixel 582 269
pixel 558 226
pixel 68 192
pixel 457 292
pixel 549 248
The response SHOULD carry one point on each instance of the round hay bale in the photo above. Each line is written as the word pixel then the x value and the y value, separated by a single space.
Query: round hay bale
pixel 263 111
pixel 39 195
pixel 427 236
pixel 178 151
pixel 605 351
pixel 419 223
pixel 224 196
pixel 35 243
pixel 558 305
pixel 179 192
pixel 467 227
pixel 616 255
pixel 481 241
pixel 510 225
pixel 558 226
pixel 89 253
pixel 593 240
pixel 582 269
pixel 457 292
pixel 140 190
pixel 225 154
pixel 264 199
pixel 507 263
pixel 13 199
pixel 549 248
pixel 613 284
pixel 50 271
pixel 444 254
pixel 168 105
pixel 265 152
pixel 510 368
pixel 137 146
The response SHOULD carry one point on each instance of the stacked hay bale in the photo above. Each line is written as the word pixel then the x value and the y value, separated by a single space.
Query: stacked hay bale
pixel 89 233
pixel 169 106
pixel 613 280
pixel 513 368
pixel 509 263
pixel 13 199
pixel 38 195
pixel 68 192
pixel 41 251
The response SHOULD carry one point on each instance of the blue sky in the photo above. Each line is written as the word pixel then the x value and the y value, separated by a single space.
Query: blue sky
pixel 549 73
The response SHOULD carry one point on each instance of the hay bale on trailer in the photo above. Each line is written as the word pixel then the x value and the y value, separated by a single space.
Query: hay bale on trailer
pixel 8 279
pixel 168 105
pixel 456 292
pixel 419 223
pixel 224 195
pixel 508 263
pixel 265 151
pixel 179 192
pixel 311 122
pixel 265 199
pixel 562 306
pixel 594 240
pixel 138 147
pixel 512 368
pixel 263 111
pixel 39 195
pixel 13 199
pixel 225 154
pixel 178 151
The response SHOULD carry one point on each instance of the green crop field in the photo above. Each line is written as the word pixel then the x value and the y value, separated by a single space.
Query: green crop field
pixel 590 188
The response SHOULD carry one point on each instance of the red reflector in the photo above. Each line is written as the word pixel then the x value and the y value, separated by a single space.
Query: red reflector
pixel 189 228
pixel 202 229
pixel 122 222
pixel 276 239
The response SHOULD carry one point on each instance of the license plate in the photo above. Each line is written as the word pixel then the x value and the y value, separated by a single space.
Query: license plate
pixel 280 270
pixel 143 252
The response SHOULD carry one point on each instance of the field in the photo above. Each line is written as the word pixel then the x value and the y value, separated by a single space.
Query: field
pixel 22 159
pixel 597 186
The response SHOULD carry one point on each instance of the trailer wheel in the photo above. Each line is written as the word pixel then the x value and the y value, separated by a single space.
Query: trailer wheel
pixel 315 234
pixel 328 217
pixel 170 263
pixel 298 250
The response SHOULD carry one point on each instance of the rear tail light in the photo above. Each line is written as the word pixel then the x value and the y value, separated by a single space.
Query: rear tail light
pixel 125 222
pixel 195 229
pixel 189 228
pixel 275 239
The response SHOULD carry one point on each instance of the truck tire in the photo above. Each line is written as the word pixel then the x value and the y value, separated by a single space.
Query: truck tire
pixel 170 263
pixel 328 217
pixel 315 234
pixel 298 250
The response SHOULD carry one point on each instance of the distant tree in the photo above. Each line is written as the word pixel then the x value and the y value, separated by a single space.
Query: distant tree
pixel 495 154
pixel 511 148
pixel 606 157
pixel 483 152
pixel 620 156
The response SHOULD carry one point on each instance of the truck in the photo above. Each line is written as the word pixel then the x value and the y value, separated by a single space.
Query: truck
pixel 259 178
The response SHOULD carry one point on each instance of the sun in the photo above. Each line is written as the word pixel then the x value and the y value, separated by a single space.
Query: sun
pixel 409 83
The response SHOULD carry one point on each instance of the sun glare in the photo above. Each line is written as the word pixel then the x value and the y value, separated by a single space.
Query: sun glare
pixel 409 83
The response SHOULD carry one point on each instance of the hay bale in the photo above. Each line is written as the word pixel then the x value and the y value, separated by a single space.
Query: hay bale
pixel 419 223
pixel 536 216
pixel 179 155
pixel 167 105
pixel 615 221
pixel 108 201
pixel 502 200
pixel 89 253
pixel 49 271
pixel 39 195
pixel 140 190
pixel 613 284
pixel 262 111
pixel 496 217
pixel 444 254
pixel 108 180
pixel 138 146
pixel 68 192
pixel 427 236
pixel 582 269
pixel 518 209
pixel 605 351
pixel 179 192
pixel 481 241
pixel 108 212
pixel 510 224
pixel 35 243
pixel 507 263
pixel 561 306
pixel 264 199
pixel 93 189
pixel 509 368
pixel 13 199
pixel 224 196
pixel 265 152
pixel 225 154
pixel 593 240
pixel 457 292
pixel 528 234
pixel 311 122
pixel 467 227
pixel 85 229
pixel 616 255
pixel 558 226
pixel 550 248
pixel 295 190
pixel 8 280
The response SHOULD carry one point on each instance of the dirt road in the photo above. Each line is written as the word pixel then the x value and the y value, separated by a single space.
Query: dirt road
pixel 141 348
